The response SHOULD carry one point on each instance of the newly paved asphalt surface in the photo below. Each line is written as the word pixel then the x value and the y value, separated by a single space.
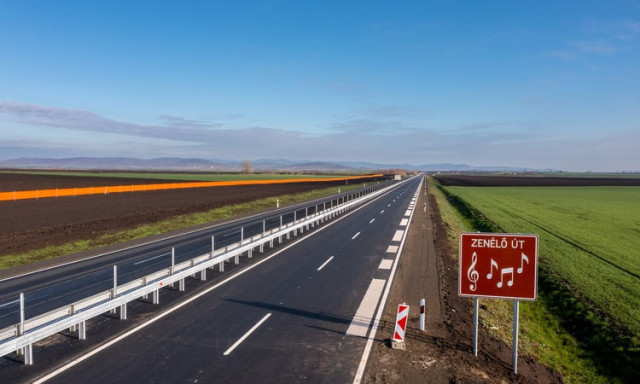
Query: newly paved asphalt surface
pixel 56 287
pixel 284 318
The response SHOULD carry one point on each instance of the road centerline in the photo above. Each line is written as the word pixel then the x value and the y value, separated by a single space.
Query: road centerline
pixel 246 335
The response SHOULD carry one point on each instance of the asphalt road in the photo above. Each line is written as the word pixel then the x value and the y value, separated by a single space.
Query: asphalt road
pixel 53 288
pixel 300 314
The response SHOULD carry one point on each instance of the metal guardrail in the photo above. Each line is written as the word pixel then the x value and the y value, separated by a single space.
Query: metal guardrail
pixel 20 337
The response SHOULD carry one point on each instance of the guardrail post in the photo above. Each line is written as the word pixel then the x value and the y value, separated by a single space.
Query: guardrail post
pixel 21 326
pixel 264 227
pixel 82 330
pixel 306 216
pixel 72 311
pixel 114 291
pixel 213 243
pixel 280 230
pixel 123 311
pixel 181 285
pixel 203 274
pixel 155 296
pixel 295 220
pixel 250 253
pixel 173 259
pixel 28 354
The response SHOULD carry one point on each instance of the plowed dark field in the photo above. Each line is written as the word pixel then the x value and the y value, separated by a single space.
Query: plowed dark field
pixel 34 224
pixel 533 181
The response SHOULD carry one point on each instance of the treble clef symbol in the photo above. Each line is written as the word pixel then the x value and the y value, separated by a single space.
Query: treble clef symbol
pixel 472 274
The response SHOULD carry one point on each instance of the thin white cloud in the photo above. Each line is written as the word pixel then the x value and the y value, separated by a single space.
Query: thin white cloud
pixel 385 141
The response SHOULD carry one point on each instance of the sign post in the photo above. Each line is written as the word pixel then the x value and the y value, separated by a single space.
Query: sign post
pixel 498 265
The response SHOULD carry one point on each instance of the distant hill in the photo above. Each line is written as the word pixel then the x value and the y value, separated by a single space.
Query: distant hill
pixel 193 164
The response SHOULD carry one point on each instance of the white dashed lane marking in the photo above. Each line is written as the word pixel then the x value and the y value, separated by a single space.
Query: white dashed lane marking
pixel 325 263
pixel 386 264
pixel 360 323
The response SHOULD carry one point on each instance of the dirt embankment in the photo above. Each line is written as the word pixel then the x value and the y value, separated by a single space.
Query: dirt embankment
pixel 443 353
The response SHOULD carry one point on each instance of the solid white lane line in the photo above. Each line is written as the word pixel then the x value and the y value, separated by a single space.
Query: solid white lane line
pixel 152 258
pixel 385 264
pixel 356 235
pixel 360 323
pixel 403 222
pixel 9 303
pixel 392 249
pixel 325 263
pixel 372 220
pixel 398 235
pixel 244 337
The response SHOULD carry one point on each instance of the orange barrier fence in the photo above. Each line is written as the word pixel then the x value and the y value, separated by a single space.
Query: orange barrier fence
pixel 60 192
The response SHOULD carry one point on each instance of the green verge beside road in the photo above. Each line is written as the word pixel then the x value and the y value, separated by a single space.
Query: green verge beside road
pixel 170 224
pixel 586 322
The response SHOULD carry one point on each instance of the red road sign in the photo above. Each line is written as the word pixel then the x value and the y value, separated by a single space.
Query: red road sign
pixel 500 265
pixel 401 323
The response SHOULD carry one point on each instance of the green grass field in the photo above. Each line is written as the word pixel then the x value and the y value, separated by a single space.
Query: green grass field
pixel 588 235
pixel 183 176
pixel 586 322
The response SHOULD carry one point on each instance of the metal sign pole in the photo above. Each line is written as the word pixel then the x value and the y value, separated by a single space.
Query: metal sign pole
pixel 516 313
pixel 475 326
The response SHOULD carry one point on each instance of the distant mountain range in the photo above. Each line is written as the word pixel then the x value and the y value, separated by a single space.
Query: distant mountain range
pixel 182 164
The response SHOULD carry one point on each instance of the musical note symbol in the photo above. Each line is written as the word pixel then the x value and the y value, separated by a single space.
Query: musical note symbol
pixel 493 264
pixel 472 274
pixel 505 271
pixel 523 258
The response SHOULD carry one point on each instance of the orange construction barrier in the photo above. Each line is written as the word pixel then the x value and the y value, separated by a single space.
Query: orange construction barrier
pixel 60 192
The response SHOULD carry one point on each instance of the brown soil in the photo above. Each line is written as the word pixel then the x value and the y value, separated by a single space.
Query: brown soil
pixel 32 224
pixel 443 353
pixel 534 181
pixel 25 182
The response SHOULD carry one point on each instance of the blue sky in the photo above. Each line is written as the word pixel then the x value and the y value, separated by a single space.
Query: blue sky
pixel 540 84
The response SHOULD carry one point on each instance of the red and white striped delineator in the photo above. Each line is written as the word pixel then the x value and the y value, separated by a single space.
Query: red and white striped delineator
pixel 401 323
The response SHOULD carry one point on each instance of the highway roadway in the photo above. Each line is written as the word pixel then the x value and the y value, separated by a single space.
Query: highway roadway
pixel 52 288
pixel 300 314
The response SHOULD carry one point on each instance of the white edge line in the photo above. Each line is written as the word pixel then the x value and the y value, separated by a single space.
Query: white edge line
pixel 188 301
pixel 325 263
pixel 152 258
pixel 367 349
pixel 9 303
pixel 244 337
